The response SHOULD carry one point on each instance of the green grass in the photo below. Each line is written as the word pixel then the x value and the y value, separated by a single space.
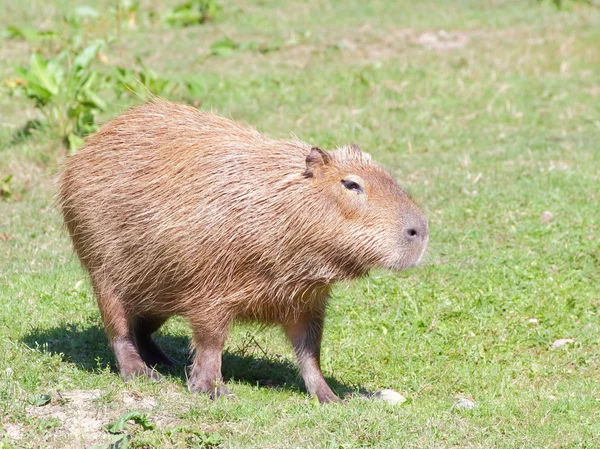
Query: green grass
pixel 488 124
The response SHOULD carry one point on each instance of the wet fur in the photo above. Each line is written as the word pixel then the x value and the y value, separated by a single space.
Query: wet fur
pixel 174 211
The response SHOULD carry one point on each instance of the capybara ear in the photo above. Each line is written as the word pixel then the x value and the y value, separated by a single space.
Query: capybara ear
pixel 356 148
pixel 315 161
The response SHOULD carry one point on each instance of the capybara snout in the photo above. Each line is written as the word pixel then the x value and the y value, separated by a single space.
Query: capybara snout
pixel 174 211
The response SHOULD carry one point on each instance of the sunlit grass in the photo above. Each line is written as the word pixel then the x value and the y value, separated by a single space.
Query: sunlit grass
pixel 489 124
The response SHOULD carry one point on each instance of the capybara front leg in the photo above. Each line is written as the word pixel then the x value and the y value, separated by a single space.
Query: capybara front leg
pixel 305 335
pixel 205 374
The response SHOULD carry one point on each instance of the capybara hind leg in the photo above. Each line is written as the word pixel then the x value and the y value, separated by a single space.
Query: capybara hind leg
pixel 151 353
pixel 116 324
pixel 205 375
pixel 305 335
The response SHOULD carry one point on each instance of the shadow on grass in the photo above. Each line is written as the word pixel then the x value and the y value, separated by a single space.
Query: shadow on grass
pixel 87 349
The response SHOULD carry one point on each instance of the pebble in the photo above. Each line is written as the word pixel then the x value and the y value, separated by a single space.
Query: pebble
pixel 390 396
pixel 546 217
pixel 466 403
pixel 561 342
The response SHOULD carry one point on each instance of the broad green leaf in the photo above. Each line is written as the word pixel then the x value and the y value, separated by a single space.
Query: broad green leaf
pixel 28 33
pixel 224 47
pixel 39 68
pixel 88 54
pixel 23 32
pixel 85 122
pixel 93 99
pixel 31 85
pixel 56 70
pixel 38 93
pixel 40 400
pixel 74 142
pixel 138 417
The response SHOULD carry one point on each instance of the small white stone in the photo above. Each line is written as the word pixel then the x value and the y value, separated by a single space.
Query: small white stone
pixel 546 217
pixel 466 403
pixel 561 342
pixel 390 396
pixel 533 320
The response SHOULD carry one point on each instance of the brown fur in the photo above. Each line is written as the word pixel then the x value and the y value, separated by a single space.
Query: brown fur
pixel 174 211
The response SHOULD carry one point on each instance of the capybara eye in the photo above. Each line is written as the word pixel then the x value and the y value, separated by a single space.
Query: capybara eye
pixel 351 185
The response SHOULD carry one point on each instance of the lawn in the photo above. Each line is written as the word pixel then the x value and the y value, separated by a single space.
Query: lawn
pixel 487 112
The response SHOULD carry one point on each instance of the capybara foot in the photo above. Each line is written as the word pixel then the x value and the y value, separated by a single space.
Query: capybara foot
pixel 221 391
pixel 327 397
pixel 214 388
pixel 130 363
pixel 150 373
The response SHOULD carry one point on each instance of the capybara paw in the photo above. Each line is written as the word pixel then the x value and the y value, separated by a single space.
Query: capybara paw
pixel 151 374
pixel 327 397
pixel 221 391
pixel 214 388
pixel 144 371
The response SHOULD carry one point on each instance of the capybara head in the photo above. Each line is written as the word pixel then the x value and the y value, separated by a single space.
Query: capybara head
pixel 386 227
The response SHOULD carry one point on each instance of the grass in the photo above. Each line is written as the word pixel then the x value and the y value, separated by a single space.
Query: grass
pixel 489 123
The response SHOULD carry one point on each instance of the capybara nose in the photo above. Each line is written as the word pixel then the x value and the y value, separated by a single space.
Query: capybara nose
pixel 417 231
pixel 412 232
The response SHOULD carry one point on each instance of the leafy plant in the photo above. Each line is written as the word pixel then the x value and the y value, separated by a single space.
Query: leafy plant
pixel 138 417
pixel 193 12
pixel 197 438
pixel 224 47
pixel 120 438
pixel 27 33
pixel 66 90
pixel 39 400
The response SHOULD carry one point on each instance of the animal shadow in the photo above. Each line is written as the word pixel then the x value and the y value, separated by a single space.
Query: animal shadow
pixel 87 348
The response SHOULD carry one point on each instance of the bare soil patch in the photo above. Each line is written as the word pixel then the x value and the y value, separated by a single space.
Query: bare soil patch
pixel 76 418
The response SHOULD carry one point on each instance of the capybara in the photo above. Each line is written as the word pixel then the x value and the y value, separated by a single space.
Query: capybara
pixel 174 211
